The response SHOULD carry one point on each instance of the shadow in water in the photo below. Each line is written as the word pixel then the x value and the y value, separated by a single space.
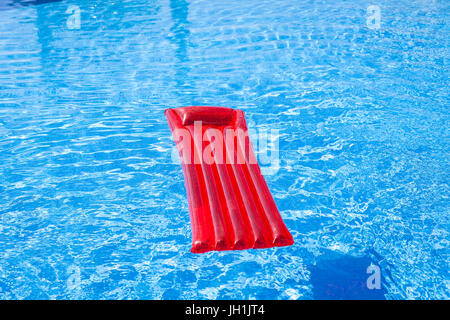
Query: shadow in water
pixel 10 4
pixel 340 277
pixel 180 37
pixel 179 11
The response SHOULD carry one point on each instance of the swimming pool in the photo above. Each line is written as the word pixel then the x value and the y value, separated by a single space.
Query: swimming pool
pixel 93 207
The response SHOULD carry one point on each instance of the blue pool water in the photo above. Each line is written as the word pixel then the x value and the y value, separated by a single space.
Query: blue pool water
pixel 92 206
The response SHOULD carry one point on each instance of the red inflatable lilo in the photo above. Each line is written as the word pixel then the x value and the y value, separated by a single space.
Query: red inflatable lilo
pixel 230 205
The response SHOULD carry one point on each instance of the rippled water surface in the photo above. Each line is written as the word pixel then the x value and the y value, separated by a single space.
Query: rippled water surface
pixel 93 207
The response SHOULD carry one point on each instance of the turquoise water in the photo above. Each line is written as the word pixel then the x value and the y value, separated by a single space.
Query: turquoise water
pixel 92 206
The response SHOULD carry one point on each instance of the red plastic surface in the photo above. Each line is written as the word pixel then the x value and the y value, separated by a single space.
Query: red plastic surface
pixel 230 205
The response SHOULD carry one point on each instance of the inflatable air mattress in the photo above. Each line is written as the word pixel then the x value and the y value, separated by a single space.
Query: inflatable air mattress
pixel 230 205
